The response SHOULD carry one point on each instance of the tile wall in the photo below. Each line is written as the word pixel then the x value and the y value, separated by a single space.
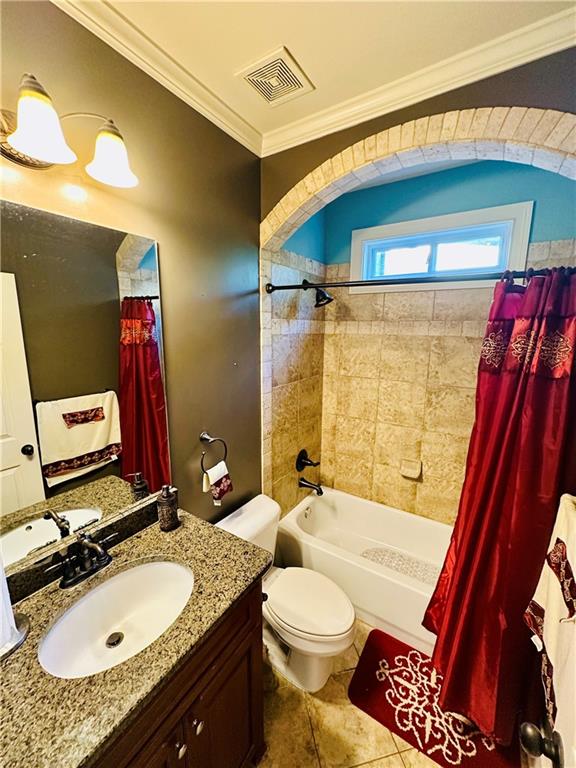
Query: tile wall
pixel 397 382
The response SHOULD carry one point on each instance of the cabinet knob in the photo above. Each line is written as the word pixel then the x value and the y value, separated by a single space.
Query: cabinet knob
pixel 181 750
pixel 27 450
pixel 198 726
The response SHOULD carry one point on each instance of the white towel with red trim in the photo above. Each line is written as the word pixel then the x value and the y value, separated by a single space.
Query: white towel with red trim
pixel 78 435
pixel 555 603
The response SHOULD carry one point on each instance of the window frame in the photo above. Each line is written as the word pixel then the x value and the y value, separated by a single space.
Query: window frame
pixel 519 215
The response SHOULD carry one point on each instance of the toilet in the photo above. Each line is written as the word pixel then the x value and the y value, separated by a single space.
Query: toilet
pixel 308 620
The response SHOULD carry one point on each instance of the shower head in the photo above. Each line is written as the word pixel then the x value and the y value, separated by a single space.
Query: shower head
pixel 322 298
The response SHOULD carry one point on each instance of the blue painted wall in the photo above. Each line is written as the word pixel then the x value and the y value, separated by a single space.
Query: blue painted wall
pixel 458 189
pixel 310 239
pixel 148 261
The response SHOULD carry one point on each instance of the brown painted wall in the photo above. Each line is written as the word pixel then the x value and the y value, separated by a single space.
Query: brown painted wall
pixel 198 197
pixel 547 84
pixel 67 287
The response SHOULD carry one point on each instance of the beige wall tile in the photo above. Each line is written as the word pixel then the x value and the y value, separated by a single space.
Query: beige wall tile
pixel 444 455
pixel 454 361
pixel 389 487
pixel 284 451
pixel 310 398
pixel 464 304
pixel 354 306
pixel 353 473
pixel 357 398
pixel 438 499
pixel 360 356
pixel 401 403
pixel 413 305
pixel 284 359
pixel 285 407
pixel 394 443
pixel 330 394
pixel 309 351
pixel 450 410
pixel 327 468
pixel 405 358
pixel 285 492
pixel 355 436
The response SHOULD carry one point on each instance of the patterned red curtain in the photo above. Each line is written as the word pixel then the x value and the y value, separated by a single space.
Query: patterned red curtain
pixel 142 401
pixel 522 457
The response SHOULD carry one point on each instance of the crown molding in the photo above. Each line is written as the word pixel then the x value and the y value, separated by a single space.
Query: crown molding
pixel 550 35
pixel 114 29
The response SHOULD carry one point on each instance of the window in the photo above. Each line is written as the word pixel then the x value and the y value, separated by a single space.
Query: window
pixel 461 244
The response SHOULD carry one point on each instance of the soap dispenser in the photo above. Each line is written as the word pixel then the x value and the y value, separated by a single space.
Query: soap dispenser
pixel 168 508
pixel 139 487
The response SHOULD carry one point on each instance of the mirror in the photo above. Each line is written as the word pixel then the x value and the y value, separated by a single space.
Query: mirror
pixel 83 399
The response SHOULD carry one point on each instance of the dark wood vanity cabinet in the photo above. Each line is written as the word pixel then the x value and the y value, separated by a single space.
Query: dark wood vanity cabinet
pixel 210 713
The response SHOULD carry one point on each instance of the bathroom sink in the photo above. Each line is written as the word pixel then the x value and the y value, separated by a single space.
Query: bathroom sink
pixel 116 619
pixel 33 534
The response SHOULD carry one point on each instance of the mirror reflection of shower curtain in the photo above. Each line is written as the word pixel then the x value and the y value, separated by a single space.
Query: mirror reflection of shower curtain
pixel 142 399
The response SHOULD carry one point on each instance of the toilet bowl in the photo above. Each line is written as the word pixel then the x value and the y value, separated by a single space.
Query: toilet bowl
pixel 311 620
pixel 308 620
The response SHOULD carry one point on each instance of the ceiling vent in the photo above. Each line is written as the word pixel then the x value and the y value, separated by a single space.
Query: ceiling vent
pixel 277 78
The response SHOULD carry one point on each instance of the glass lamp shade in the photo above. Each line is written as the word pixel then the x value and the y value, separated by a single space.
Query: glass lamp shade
pixel 38 131
pixel 110 164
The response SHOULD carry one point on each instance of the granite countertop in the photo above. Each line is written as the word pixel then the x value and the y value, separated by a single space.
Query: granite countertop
pixel 47 722
pixel 108 494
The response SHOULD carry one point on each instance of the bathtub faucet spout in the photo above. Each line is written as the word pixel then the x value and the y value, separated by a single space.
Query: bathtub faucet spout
pixel 303 483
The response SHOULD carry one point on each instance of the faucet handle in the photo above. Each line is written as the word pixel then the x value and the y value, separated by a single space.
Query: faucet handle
pixel 303 460
pixel 67 569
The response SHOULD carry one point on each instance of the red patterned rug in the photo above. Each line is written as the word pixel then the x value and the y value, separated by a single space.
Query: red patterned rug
pixel 398 686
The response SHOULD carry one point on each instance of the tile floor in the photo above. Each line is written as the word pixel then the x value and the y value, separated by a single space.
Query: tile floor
pixel 324 729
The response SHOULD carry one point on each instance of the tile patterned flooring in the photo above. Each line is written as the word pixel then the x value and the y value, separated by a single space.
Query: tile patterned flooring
pixel 324 729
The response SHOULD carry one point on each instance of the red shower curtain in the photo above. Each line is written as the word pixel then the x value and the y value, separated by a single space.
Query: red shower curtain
pixel 522 456
pixel 142 402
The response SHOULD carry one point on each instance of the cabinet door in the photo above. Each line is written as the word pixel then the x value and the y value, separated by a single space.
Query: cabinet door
pixel 223 728
pixel 164 752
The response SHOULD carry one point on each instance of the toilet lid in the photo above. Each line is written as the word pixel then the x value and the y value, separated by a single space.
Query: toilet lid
pixel 310 602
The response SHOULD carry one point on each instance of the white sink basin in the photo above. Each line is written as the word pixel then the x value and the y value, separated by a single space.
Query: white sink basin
pixel 19 542
pixel 116 620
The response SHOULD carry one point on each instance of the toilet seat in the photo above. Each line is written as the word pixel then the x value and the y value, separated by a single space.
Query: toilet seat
pixel 308 605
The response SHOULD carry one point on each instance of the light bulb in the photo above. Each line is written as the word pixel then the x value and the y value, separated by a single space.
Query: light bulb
pixel 38 131
pixel 110 164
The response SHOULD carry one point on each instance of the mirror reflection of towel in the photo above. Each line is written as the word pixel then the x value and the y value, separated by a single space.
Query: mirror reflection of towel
pixel 78 435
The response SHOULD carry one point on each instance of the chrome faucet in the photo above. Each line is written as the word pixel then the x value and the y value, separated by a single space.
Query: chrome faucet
pixel 61 522
pixel 303 483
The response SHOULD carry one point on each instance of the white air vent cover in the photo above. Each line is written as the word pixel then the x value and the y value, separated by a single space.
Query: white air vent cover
pixel 277 78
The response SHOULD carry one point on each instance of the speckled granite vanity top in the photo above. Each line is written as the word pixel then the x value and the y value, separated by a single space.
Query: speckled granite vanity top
pixel 46 722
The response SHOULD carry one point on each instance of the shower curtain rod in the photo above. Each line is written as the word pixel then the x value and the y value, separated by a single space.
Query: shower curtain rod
pixel 430 279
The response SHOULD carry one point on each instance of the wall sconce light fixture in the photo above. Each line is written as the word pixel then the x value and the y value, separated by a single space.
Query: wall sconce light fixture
pixel 34 138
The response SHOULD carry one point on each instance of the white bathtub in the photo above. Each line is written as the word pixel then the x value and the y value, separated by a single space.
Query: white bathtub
pixel 386 560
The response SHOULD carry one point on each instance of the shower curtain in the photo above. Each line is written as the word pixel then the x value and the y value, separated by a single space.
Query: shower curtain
pixel 522 457
pixel 142 402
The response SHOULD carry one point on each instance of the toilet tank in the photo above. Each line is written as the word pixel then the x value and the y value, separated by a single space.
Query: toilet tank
pixel 256 521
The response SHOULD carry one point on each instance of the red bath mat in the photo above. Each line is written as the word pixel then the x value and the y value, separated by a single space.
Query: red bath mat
pixel 397 686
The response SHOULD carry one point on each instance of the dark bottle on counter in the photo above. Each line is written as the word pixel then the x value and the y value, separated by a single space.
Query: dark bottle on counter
pixel 168 508
pixel 139 487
